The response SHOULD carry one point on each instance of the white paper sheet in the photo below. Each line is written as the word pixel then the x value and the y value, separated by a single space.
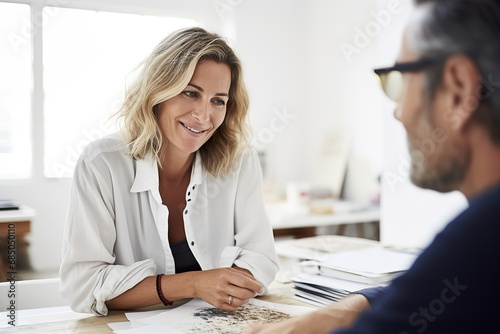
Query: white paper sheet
pixel 150 329
pixel 330 282
pixel 135 316
pixel 375 260
pixel 199 317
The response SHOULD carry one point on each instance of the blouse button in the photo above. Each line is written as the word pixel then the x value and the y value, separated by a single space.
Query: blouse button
pixel 189 193
pixel 192 243
pixel 194 187
pixel 186 212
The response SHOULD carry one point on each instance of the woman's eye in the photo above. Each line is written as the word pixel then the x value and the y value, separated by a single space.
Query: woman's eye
pixel 189 93
pixel 219 102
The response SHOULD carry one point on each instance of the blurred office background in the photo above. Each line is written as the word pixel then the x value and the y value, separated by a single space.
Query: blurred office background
pixel 318 115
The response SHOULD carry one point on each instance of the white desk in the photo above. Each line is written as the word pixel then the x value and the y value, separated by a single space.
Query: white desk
pixel 18 224
pixel 291 252
pixel 25 213
pixel 283 216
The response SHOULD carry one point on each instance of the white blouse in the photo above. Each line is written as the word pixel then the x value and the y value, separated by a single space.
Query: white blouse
pixel 116 231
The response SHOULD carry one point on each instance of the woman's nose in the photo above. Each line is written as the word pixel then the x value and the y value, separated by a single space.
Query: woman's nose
pixel 201 112
pixel 397 113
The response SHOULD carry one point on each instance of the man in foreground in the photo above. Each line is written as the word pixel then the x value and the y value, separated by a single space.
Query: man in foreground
pixel 446 82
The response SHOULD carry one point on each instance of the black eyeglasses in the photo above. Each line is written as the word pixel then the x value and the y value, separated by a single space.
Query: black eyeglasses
pixel 391 78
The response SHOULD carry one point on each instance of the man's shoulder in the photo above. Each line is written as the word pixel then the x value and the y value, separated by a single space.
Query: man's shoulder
pixel 476 225
pixel 485 207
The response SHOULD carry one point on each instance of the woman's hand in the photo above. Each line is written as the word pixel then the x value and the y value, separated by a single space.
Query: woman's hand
pixel 226 288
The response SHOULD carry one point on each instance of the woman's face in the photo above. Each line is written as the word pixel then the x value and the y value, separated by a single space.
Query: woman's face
pixel 189 119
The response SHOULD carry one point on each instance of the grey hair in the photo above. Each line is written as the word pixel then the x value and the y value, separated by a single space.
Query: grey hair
pixel 471 28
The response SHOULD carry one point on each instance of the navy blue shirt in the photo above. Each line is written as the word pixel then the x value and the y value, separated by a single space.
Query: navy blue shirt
pixel 451 287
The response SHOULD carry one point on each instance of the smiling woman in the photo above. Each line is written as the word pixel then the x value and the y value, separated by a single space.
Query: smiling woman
pixel 189 119
pixel 185 51
pixel 172 206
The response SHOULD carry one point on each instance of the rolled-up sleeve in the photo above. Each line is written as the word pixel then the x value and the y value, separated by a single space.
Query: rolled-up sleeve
pixel 89 275
pixel 254 241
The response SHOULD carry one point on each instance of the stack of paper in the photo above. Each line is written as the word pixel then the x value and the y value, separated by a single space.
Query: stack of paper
pixel 374 265
pixel 322 290
pixel 339 274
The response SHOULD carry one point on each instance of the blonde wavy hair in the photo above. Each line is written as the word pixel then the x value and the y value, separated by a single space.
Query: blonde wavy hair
pixel 165 74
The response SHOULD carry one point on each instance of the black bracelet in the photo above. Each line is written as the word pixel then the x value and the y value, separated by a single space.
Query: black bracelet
pixel 164 300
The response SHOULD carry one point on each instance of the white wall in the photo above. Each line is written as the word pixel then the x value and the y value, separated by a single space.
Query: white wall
pixel 293 66
pixel 342 90
pixel 270 41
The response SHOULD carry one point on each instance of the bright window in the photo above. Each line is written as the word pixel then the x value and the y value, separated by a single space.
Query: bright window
pixel 16 83
pixel 88 57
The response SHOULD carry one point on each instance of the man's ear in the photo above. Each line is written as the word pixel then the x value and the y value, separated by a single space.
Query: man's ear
pixel 462 87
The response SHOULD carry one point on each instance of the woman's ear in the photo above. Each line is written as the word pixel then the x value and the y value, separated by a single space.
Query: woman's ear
pixel 461 86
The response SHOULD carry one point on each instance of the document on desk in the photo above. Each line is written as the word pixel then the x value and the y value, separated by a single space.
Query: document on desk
pixel 197 316
pixel 373 265
pixel 323 290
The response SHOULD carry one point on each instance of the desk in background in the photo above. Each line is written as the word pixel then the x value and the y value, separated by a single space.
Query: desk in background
pixel 301 221
pixel 16 222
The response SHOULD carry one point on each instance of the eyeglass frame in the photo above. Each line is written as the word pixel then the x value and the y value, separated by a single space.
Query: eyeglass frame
pixel 414 66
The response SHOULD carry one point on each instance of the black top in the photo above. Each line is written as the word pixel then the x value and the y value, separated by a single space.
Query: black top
pixel 183 257
pixel 451 287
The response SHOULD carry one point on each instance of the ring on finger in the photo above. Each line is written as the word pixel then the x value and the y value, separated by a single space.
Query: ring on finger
pixel 230 300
